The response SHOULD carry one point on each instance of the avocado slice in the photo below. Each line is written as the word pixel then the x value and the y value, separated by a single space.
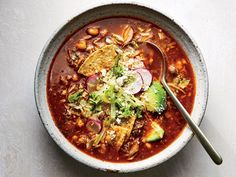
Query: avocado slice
pixel 154 98
pixel 155 133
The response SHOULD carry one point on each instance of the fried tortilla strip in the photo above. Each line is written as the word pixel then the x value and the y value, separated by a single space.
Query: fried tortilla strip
pixel 122 132
pixel 129 126
pixel 102 58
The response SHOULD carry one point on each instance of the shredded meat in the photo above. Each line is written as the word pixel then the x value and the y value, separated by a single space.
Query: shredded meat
pixel 68 127
pixel 125 148
pixel 138 128
pixel 75 58
pixel 131 148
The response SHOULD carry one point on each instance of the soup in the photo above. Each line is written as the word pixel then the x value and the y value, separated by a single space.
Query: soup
pixel 104 89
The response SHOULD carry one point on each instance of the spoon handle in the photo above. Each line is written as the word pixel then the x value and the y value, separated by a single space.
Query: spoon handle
pixel 215 156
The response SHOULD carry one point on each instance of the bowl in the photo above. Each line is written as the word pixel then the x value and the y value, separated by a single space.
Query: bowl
pixel 133 10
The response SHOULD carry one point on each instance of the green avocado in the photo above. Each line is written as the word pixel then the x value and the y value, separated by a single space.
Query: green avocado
pixel 154 98
pixel 155 133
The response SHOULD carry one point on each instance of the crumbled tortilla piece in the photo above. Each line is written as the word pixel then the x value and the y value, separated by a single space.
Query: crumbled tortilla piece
pixel 102 58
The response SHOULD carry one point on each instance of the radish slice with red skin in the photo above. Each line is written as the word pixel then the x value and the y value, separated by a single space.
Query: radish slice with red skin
pixel 94 125
pixel 146 76
pixel 91 83
pixel 135 86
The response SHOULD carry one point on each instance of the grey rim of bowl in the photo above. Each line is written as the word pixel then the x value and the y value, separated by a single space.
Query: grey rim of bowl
pixel 37 71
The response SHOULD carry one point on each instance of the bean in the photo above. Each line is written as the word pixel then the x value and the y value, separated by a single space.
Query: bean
pixel 75 77
pixel 68 77
pixel 64 92
pixel 148 145
pixel 94 31
pixel 179 65
pixel 81 44
pixel 74 138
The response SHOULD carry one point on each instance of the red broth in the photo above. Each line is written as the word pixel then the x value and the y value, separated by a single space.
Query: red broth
pixel 62 74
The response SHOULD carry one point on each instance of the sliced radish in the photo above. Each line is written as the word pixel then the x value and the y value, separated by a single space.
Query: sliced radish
pixel 94 126
pixel 92 82
pixel 136 83
pixel 146 76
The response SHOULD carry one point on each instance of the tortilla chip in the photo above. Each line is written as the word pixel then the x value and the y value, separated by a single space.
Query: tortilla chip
pixel 102 58
pixel 122 132
pixel 129 125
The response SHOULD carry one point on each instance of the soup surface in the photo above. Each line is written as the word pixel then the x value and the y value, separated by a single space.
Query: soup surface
pixel 104 92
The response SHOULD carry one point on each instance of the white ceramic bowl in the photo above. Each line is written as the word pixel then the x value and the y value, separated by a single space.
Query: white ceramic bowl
pixel 132 10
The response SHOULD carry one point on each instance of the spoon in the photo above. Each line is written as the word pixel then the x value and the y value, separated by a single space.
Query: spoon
pixel 215 156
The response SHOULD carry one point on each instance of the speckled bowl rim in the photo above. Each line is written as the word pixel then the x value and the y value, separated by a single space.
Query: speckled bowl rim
pixel 104 165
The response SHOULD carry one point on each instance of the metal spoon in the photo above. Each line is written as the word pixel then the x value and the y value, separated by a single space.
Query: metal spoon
pixel 215 156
